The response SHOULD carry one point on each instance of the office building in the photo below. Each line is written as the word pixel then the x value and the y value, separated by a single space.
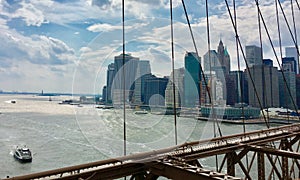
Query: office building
pixel 192 76
pixel 236 89
pixel 178 82
pixel 265 80
pixel 125 73
pixel 289 64
pixel 155 88
pixel 287 89
pixel 224 58
pixel 143 70
pixel 254 55
pixel 110 75
pixel 292 52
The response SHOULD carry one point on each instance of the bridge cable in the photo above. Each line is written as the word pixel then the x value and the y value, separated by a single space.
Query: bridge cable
pixel 288 26
pixel 295 31
pixel 123 78
pixel 173 84
pixel 297 4
pixel 277 59
pixel 240 82
pixel 211 78
pixel 201 68
pixel 246 63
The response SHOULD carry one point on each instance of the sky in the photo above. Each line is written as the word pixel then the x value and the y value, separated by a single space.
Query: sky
pixel 65 46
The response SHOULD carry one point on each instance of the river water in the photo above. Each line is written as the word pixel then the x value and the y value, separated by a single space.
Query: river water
pixel 65 135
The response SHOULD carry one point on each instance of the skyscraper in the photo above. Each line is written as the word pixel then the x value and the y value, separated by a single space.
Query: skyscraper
pixel 266 84
pixel 289 64
pixel 287 89
pixel 110 75
pixel 224 58
pixel 253 55
pixel 292 52
pixel 235 84
pixel 191 79
pixel 155 90
pixel 143 70
pixel 212 62
pixel 126 73
pixel 178 81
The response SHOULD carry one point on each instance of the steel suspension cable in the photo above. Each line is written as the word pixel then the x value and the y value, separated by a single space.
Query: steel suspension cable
pixel 261 54
pixel 289 28
pixel 201 69
pixel 246 63
pixel 297 4
pixel 211 78
pixel 173 84
pixel 123 78
pixel 274 51
pixel 240 85
pixel 295 32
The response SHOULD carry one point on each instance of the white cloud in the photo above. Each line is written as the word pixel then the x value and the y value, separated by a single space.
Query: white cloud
pixel 103 27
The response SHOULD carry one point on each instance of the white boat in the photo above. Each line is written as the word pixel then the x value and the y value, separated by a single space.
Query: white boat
pixel 23 154
pixel 141 112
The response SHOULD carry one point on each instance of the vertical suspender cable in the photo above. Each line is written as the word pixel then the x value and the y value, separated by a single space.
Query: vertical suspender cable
pixel 202 72
pixel 212 101
pixel 295 32
pixel 288 26
pixel 264 97
pixel 173 84
pixel 123 78
pixel 240 83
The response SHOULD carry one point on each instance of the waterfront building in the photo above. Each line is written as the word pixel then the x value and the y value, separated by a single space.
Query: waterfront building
pixel 265 80
pixel 155 88
pixel 253 55
pixel 104 94
pixel 292 52
pixel 231 112
pixel 143 70
pixel 179 88
pixel 287 89
pixel 192 77
pixel 110 75
pixel 126 72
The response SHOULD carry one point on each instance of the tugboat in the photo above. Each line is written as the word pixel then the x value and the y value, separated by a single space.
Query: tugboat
pixel 23 154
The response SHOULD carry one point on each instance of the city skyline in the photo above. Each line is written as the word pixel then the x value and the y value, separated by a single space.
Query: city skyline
pixel 61 46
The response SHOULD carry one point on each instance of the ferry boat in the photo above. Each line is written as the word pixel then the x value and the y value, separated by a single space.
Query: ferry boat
pixel 141 112
pixel 23 154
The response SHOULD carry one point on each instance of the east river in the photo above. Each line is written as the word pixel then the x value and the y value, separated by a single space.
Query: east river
pixel 64 135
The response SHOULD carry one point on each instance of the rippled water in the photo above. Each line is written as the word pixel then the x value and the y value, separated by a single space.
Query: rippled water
pixel 65 135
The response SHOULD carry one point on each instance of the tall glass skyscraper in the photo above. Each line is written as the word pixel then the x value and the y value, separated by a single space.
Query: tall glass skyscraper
pixel 192 77
pixel 254 55
pixel 127 73
pixel 143 70
pixel 292 52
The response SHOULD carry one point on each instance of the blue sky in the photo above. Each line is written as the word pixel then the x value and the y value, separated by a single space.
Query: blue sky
pixel 65 46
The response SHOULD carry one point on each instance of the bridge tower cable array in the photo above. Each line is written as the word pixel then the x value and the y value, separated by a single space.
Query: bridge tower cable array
pixel 276 56
pixel 246 62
